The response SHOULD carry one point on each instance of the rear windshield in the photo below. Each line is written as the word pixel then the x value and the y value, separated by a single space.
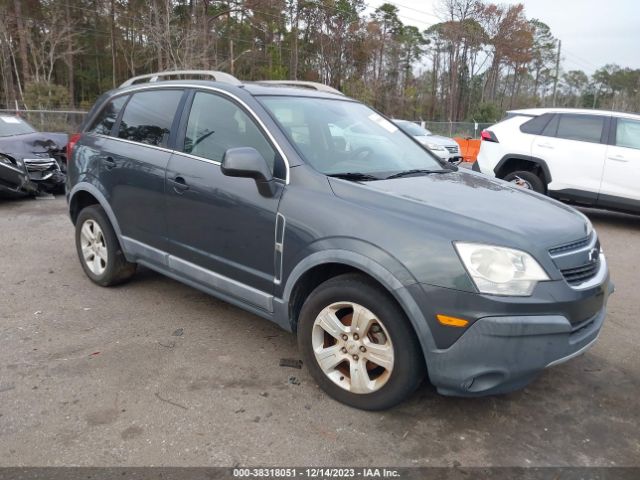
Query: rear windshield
pixel 10 125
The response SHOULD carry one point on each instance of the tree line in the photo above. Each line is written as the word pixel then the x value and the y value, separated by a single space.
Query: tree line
pixel 477 60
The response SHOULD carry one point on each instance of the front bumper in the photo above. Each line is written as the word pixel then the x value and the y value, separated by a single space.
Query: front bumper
pixel 502 354
pixel 31 176
pixel 510 339
pixel 447 155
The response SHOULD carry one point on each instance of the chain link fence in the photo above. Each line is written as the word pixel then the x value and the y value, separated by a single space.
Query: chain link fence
pixel 455 129
pixel 67 121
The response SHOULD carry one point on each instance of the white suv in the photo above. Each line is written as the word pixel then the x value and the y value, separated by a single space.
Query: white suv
pixel 588 157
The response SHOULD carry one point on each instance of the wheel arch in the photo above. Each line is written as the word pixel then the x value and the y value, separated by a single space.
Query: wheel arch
pixel 512 162
pixel 321 266
pixel 84 194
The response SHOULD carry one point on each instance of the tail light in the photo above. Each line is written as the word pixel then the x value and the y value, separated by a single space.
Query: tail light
pixel 73 139
pixel 488 136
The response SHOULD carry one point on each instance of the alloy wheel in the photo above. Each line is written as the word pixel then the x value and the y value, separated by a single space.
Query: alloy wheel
pixel 352 347
pixel 94 247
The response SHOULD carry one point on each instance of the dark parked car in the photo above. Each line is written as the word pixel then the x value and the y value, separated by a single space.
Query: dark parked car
pixel 30 161
pixel 383 260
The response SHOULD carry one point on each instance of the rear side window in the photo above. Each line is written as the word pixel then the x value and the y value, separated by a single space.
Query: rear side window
pixel 584 128
pixel 536 125
pixel 628 133
pixel 148 117
pixel 103 124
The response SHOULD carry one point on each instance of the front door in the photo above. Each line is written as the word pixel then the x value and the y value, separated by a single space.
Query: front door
pixel 221 230
pixel 574 148
pixel 621 179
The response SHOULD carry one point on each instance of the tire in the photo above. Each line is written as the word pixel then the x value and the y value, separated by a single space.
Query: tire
pixel 387 337
pixel 529 180
pixel 104 262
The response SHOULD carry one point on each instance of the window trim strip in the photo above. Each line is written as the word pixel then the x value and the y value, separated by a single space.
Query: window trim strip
pixel 250 110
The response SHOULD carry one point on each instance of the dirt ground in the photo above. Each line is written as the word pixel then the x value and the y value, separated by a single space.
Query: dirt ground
pixel 157 373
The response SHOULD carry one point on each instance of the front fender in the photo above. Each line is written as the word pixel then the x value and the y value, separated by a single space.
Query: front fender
pixel 397 288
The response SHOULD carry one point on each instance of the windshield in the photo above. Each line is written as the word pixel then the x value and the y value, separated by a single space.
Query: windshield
pixel 342 137
pixel 412 129
pixel 10 125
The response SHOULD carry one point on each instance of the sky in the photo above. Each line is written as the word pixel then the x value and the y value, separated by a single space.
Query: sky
pixel 593 32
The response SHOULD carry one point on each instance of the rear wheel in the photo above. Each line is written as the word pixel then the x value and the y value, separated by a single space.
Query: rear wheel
pixel 527 180
pixel 98 248
pixel 358 344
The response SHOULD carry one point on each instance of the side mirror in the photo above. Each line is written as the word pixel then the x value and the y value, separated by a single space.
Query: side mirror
pixel 246 162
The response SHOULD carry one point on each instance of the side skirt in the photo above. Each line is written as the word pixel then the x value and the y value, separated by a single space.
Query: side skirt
pixel 214 284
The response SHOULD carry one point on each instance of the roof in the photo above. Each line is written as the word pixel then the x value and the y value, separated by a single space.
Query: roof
pixel 225 80
pixel 579 111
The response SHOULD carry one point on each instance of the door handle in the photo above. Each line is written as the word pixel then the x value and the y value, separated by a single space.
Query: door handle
pixel 179 185
pixel 109 162
pixel 618 158
pixel 545 145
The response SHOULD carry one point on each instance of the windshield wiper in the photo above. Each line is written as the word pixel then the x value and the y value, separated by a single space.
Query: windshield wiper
pixel 416 171
pixel 356 176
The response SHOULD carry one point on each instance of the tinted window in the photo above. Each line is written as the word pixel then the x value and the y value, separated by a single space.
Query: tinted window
pixel 148 117
pixel 628 133
pixel 105 120
pixel 217 124
pixel 585 128
pixel 552 127
pixel 536 125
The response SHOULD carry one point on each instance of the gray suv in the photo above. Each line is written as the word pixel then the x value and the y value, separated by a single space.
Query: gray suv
pixel 314 211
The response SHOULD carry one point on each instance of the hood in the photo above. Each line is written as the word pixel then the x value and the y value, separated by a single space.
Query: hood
pixel 437 139
pixel 478 208
pixel 37 142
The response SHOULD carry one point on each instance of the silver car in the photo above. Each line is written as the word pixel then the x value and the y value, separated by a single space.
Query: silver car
pixel 444 147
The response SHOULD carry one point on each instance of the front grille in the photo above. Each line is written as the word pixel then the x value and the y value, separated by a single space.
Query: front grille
pixel 40 169
pixel 570 246
pixel 578 275
pixel 578 261
pixel 453 149
pixel 39 165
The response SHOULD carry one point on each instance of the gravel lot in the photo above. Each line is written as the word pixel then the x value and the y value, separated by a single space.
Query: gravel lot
pixel 157 373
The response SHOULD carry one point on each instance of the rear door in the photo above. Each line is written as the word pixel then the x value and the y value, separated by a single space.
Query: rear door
pixel 573 146
pixel 621 179
pixel 221 229
pixel 133 162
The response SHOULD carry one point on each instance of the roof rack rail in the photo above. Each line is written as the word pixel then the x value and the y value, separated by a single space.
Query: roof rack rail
pixel 321 87
pixel 154 77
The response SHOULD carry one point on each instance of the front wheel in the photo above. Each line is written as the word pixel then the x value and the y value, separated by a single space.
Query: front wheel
pixel 527 180
pixel 358 344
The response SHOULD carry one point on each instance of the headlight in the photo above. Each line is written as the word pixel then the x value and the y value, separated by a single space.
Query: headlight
pixel 4 160
pixel 500 270
pixel 434 146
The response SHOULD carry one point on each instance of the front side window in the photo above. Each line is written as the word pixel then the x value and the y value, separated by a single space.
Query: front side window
pixel 339 137
pixel 148 117
pixel 217 124
pixel 628 133
pixel 103 123
pixel 584 128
